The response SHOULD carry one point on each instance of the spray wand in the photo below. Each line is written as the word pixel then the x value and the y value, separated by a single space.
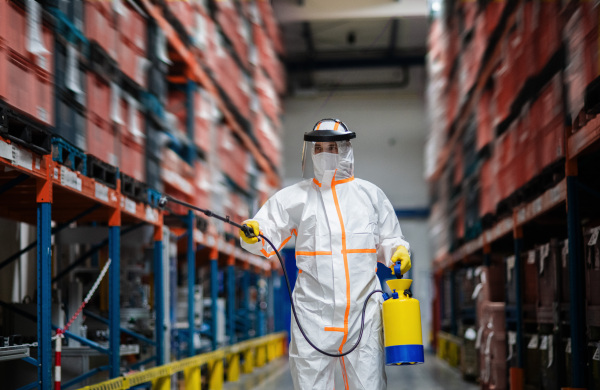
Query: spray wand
pixel 249 232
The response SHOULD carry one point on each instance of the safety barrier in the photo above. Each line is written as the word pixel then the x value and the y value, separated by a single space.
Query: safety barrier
pixel 449 348
pixel 239 358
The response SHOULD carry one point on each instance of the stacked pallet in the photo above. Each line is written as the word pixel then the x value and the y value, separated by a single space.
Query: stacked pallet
pixel 514 98
pixel 106 88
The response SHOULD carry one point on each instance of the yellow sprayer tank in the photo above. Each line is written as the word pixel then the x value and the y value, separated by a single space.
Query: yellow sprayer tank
pixel 402 326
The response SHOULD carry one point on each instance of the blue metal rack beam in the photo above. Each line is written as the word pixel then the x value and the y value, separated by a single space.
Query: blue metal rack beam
pixel 231 303
pixel 123 330
pixel 114 295
pixel 191 269
pixel 159 298
pixel 214 294
pixel 453 308
pixel 67 334
pixel 44 292
pixel 270 303
pixel 245 304
pixel 260 312
pixel 83 377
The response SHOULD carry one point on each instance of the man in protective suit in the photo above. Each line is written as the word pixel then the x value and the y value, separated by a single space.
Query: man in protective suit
pixel 343 226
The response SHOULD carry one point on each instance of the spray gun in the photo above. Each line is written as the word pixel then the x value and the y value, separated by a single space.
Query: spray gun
pixel 401 347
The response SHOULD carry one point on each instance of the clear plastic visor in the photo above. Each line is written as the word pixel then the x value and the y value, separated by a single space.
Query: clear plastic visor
pixel 337 155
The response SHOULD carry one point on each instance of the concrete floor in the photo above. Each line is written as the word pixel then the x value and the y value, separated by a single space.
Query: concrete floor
pixel 435 374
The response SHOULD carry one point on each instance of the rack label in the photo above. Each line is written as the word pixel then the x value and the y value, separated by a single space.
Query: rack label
pixel 594 237
pixel 69 178
pixel 531 257
pixel 101 192
pixel 130 206
pixel 534 342
pixel 151 215
pixel 22 158
pixel 596 356
pixel 6 150
pixel 568 348
pixel 198 236
pixel 544 343
pixel 537 206
pixel 550 351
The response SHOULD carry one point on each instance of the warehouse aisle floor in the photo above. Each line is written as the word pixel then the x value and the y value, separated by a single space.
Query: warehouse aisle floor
pixel 435 374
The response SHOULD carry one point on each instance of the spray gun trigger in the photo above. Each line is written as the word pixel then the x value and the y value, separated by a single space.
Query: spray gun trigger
pixel 248 231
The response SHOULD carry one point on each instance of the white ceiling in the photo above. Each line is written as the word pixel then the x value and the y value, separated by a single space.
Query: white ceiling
pixel 313 10
pixel 370 35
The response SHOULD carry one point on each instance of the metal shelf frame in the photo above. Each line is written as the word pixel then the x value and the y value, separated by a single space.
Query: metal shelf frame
pixel 66 201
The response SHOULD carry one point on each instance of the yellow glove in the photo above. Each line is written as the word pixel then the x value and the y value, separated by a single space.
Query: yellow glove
pixel 403 257
pixel 254 225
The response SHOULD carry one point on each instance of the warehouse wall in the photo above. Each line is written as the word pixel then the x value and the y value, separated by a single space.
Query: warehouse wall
pixel 388 151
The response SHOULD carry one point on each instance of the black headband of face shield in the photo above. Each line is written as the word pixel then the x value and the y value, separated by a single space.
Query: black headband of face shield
pixel 329 135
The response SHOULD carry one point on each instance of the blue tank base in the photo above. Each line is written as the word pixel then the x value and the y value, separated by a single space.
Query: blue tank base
pixel 398 355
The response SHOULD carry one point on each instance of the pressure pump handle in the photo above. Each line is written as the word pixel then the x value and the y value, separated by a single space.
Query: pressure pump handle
pixel 398 270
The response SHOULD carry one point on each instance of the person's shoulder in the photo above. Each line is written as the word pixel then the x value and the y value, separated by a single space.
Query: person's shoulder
pixel 367 185
pixel 293 189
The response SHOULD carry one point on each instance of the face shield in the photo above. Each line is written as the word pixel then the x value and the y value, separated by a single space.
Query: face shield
pixel 328 148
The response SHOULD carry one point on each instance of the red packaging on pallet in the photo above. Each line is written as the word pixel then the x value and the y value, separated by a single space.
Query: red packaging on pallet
pixel 487 195
pixel 485 129
pixel 553 143
pixel 202 182
pixel 177 106
pixel 103 139
pixel 459 168
pixel 185 13
pixel 133 62
pixel 269 139
pixel 233 157
pixel 18 33
pixel 453 100
pixel 207 41
pixel 269 21
pixel 203 112
pixel 493 12
pixel 100 25
pixel 133 26
pixel 176 173
pixel 468 11
pixel 234 82
pixel 547 34
pixel 132 140
pixel 268 97
pixel 268 59
pixel 133 157
pixel 236 29
pixel 26 87
pixel 98 96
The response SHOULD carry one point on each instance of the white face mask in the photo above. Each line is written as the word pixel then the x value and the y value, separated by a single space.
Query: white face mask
pixel 324 162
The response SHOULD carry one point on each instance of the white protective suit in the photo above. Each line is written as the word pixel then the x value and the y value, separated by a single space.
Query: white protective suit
pixel 343 227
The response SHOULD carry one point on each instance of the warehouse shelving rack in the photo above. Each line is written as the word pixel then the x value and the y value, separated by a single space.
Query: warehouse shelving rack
pixel 196 73
pixel 37 190
pixel 563 199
